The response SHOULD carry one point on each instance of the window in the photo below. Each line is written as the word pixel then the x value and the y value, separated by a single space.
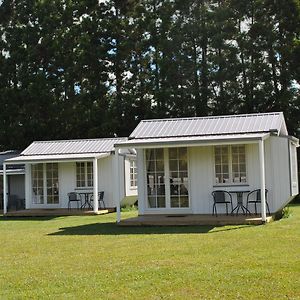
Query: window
pixel 84 174
pixel 171 164
pixel 45 184
pixel 230 164
pixel 133 174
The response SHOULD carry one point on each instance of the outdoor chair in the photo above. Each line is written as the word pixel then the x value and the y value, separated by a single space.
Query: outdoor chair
pixel 255 198
pixel 74 197
pixel 221 197
pixel 100 199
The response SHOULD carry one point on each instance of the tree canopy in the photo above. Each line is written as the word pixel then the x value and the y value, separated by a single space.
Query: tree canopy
pixel 84 69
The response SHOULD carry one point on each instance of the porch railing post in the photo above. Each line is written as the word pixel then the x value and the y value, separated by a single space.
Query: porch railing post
pixel 262 180
pixel 117 181
pixel 95 184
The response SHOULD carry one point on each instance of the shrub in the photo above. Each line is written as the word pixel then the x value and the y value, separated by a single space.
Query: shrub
pixel 129 208
pixel 286 212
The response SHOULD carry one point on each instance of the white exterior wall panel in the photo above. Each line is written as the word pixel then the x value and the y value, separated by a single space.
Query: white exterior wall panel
pixel 142 195
pixel 130 191
pixel 201 176
pixel 107 181
pixel 67 182
pixel 294 169
pixel 279 171
pixel 27 186
pixel 201 179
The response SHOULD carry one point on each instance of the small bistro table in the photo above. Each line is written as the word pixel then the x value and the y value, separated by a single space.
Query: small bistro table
pixel 240 205
pixel 87 202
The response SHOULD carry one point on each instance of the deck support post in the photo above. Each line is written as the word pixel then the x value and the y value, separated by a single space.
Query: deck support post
pixel 262 180
pixel 5 189
pixel 117 181
pixel 95 184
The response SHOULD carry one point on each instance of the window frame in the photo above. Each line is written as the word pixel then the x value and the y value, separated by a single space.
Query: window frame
pixel 85 173
pixel 133 172
pixel 230 171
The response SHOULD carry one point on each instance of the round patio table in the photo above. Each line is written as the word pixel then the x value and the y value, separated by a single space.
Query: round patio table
pixel 87 202
pixel 240 204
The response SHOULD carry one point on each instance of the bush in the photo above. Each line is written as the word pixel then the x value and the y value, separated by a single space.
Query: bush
pixel 129 208
pixel 286 212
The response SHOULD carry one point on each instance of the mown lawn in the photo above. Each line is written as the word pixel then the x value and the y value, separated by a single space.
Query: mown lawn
pixel 91 258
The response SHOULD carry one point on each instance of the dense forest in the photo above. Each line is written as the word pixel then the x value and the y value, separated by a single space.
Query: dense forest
pixel 82 69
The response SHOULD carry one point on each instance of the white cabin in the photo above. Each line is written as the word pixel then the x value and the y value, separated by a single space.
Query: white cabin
pixel 88 166
pixel 181 161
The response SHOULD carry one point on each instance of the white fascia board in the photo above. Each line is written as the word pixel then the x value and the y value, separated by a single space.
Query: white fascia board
pixel 283 128
pixel 195 143
pixel 54 158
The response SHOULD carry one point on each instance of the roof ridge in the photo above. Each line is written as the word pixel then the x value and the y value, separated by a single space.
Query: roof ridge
pixel 213 117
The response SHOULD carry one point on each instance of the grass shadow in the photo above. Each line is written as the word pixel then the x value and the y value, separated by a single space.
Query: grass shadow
pixel 114 229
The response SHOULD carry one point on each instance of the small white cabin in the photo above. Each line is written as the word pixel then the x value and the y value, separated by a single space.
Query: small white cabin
pixel 87 166
pixel 182 161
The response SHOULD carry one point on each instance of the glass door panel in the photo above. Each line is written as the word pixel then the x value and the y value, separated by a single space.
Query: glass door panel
pixel 178 178
pixel 155 178
pixel 37 184
pixel 52 183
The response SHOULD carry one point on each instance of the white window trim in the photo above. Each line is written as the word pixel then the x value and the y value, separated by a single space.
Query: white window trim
pixel 85 187
pixel 230 183
pixel 132 187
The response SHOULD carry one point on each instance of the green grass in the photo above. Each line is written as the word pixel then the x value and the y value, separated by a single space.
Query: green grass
pixel 89 257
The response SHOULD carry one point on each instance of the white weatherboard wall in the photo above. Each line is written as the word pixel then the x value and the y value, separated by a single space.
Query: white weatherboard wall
pixel 107 182
pixel 67 183
pixel 279 172
pixel 201 176
pixel 130 191
pixel 294 169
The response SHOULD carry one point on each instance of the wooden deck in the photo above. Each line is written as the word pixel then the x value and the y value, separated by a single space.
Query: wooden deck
pixel 56 212
pixel 192 220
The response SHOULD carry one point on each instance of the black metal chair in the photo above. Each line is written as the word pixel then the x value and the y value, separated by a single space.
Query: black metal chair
pixel 100 199
pixel 257 199
pixel 74 197
pixel 220 198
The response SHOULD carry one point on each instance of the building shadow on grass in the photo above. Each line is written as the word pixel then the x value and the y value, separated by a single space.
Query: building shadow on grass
pixel 114 229
pixel 6 219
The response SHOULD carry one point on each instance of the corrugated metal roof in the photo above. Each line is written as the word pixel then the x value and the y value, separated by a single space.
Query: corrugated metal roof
pixel 214 125
pixel 189 140
pixel 55 157
pixel 72 146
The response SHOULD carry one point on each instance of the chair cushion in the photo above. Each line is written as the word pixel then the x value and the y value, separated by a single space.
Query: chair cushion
pixel 220 197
